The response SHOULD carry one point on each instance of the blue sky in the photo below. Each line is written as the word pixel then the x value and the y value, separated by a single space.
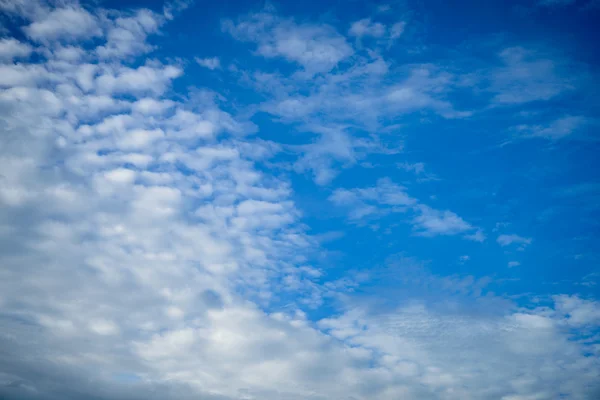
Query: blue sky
pixel 299 200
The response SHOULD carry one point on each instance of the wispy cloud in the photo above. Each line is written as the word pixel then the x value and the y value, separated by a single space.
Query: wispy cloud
pixel 430 222
pixel 507 240
pixel 365 204
pixel 512 264
pixel 366 28
pixel 317 48
pixel 211 63
pixel 349 88
pixel 527 77
pixel 555 130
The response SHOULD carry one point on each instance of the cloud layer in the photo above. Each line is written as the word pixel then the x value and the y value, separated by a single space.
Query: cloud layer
pixel 152 245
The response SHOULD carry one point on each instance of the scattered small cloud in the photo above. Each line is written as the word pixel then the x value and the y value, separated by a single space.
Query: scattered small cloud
pixel 317 47
pixel 417 168
pixel 211 63
pixel 383 8
pixel 478 236
pixel 366 27
pixel 507 240
pixel 68 23
pixel 172 8
pixel 431 222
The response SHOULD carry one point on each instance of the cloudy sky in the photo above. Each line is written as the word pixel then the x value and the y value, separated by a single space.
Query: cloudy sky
pixel 332 200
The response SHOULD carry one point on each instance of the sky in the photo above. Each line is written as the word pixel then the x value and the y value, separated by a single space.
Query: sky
pixel 332 200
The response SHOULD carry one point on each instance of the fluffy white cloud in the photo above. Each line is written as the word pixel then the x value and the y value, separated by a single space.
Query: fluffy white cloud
pixel 137 81
pixel 134 248
pixel 126 36
pixel 11 48
pixel 68 23
pixel 577 311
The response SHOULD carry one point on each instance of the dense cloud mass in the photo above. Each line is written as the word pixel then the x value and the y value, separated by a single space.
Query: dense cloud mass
pixel 152 246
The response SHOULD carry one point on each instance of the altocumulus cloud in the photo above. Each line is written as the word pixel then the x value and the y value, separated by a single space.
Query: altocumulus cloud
pixel 148 236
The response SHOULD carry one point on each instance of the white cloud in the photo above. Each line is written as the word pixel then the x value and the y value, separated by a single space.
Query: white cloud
pixel 555 130
pixel 421 90
pixel 345 109
pixel 366 27
pixel 526 77
pixel 137 81
pixel 69 23
pixel 397 30
pixel 517 344
pixel 146 254
pixel 365 204
pixel 512 264
pixel 334 146
pixel 126 36
pixel 354 97
pixel 318 48
pixel 478 236
pixel 103 327
pixel 150 106
pixel 11 48
pixel 578 311
pixel 211 63
pixel 116 186
pixel 507 240
pixel 431 222
pixel 22 76
pixel 174 7
pixel 373 202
